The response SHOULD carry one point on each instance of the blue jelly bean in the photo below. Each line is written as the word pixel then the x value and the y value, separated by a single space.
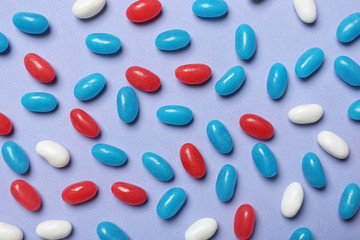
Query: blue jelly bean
pixel 348 70
pixel 349 28
pixel 109 155
pixel 209 8
pixel 231 81
pixel 170 203
pixel 301 234
pixel 103 43
pixel 172 40
pixel 277 81
pixel 127 104
pixel 219 136
pixel 264 160
pixel 350 201
pixel 309 62
pixel 31 23
pixel 313 170
pixel 89 87
pixel 245 41
pixel 174 115
pixel 226 182
pixel 15 157
pixel 109 231
pixel 354 110
pixel 4 43
pixel 39 102
pixel 157 166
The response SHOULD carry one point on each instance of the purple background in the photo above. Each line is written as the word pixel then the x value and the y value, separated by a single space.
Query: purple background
pixel 281 37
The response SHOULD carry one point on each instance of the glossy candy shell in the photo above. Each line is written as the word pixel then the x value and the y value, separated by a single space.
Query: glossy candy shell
pixel 15 157
pixel 109 155
pixel 4 43
pixel 256 126
pixel 170 203
pixel 39 68
pixel 5 125
pixel 172 40
pixel 301 234
pixel 103 43
pixel 31 23
pixel 25 195
pixel 193 74
pixel 209 8
pixel 277 81
pixel 244 222
pixel 89 87
pixel 313 170
pixel 348 70
pixel 192 160
pixel 84 123
pixel 127 104
pixel 245 41
pixel 143 10
pixel 264 160
pixel 219 137
pixel 309 62
pixel 174 115
pixel 157 166
pixel 226 182
pixel 350 201
pixel 79 192
pixel 143 79
pixel 129 193
pixel 39 102
pixel 353 111
pixel 349 29
pixel 109 231
pixel 231 81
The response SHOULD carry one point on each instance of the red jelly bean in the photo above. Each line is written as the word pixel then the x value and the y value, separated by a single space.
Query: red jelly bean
pixel 193 74
pixel 84 123
pixel 39 68
pixel 143 10
pixel 256 126
pixel 143 79
pixel 192 160
pixel 5 125
pixel 244 222
pixel 26 195
pixel 79 192
pixel 128 193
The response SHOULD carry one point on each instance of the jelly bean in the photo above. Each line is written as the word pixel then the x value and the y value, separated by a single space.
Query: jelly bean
pixel 264 160
pixel 143 79
pixel 174 115
pixel 54 153
pixel 244 221
pixel 39 68
pixel 109 155
pixel 305 114
pixel 202 229
pixel 5 125
pixel 84 9
pixel 256 126
pixel 313 170
pixel 15 157
pixel 209 8
pixel 192 160
pixel 349 28
pixel 277 81
pixel 350 201
pixel 143 10
pixel 306 10
pixel 4 43
pixel 292 200
pixel 127 104
pixel 353 111
pixel 219 137
pixel 333 144
pixel 348 70
pixel 54 229
pixel 79 192
pixel 10 232
pixel 84 123
pixel 245 41
pixel 103 43
pixel 309 62
pixel 31 23
pixel 157 166
pixel 231 81
pixel 25 195
pixel 170 203
pixel 172 40
pixel 39 102
pixel 301 234
pixel 89 87
pixel 128 193
pixel 109 231
pixel 226 182
pixel 193 74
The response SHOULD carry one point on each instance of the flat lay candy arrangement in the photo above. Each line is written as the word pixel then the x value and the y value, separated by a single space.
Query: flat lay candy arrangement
pixel 205 119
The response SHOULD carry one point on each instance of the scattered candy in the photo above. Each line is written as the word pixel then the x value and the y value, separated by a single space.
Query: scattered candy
pixel 4 43
pixel 84 9
pixel 15 157
pixel 306 10
pixel 128 193
pixel 192 160
pixel 313 170
pixel 349 28
pixel 143 79
pixel 56 155
pixel 350 201
pixel 172 40
pixel 301 234
pixel 84 123
pixel 5 125
pixel 333 144
pixel 209 8
pixel 219 137
pixel 245 41
pixel 202 229
pixel 244 222
pixel 170 203
pixel 109 231
pixel 109 155
pixel 39 68
pixel 54 229
pixel 264 160
pixel 309 62
pixel 127 104
pixel 31 23
pixel 305 114
pixel 292 200
pixel 10 232
pixel 256 126
pixel 231 81
pixel 89 87
pixel 79 192
pixel 39 102
pixel 174 115
pixel 143 10
pixel 157 166
pixel 193 74
pixel 277 81
pixel 348 70
pixel 25 195
pixel 353 111
pixel 226 182
pixel 103 43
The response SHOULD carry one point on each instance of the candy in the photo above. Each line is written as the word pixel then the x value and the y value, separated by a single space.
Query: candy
pixel 256 126
pixel 193 74
pixel 309 62
pixel 89 87
pixel 306 10
pixel 10 232
pixel 348 70
pixel 333 144
pixel 143 79
pixel 109 155
pixel 128 193
pixel 219 137
pixel 209 8
pixel 143 10
pixel 25 195
pixel 305 114
pixel 202 229
pixel 109 231
pixel 245 41
pixel 277 81
pixel 56 155
pixel 353 111
pixel 79 192
pixel 349 28
pixel 127 104
pixel 4 43
pixel 264 160
pixel 226 182
pixel 15 157
pixel 231 81
pixel 5 125
pixel 244 222
pixel 301 234
pixel 84 123
pixel 31 23
pixel 157 166
pixel 39 102
pixel 292 200
pixel 313 170
pixel 174 115
pixel 87 8
pixel 192 160
pixel 103 43
pixel 170 203
pixel 350 201
pixel 54 229
pixel 39 68
pixel 172 40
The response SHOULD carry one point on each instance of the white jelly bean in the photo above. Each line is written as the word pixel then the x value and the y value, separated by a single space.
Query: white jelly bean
pixel 305 114
pixel 54 229
pixel 202 229
pixel 87 8
pixel 10 232
pixel 292 200
pixel 306 10
pixel 333 144
pixel 54 153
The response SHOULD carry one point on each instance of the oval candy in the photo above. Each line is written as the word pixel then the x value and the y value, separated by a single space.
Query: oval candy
pixel 256 126
pixel 54 229
pixel 109 231
pixel 350 201
pixel 174 115
pixel 170 203
pixel 193 74
pixel 4 43
pixel 306 10
pixel 127 104
pixel 25 195
pixel 209 8
pixel 79 192
pixel 226 182
pixel 245 41
pixel 15 157
pixel 348 70
pixel 143 79
pixel 157 166
pixel 231 81
pixel 219 136
pixel 277 81
pixel 109 155
pixel 309 62
pixel 89 87
pixel 292 200
pixel 172 40
pixel 84 9
pixel 143 10
pixel 5 125
pixel 39 68
pixel 353 111
pixel 313 170
pixel 84 123
pixel 202 229
pixel 129 193
pixel 305 114
pixel 56 154
pixel 192 160
pixel 349 28
pixel 301 234
pixel 244 221
pixel 10 232
pixel 103 43
pixel 264 160
pixel 39 102
pixel 31 23
pixel 333 144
